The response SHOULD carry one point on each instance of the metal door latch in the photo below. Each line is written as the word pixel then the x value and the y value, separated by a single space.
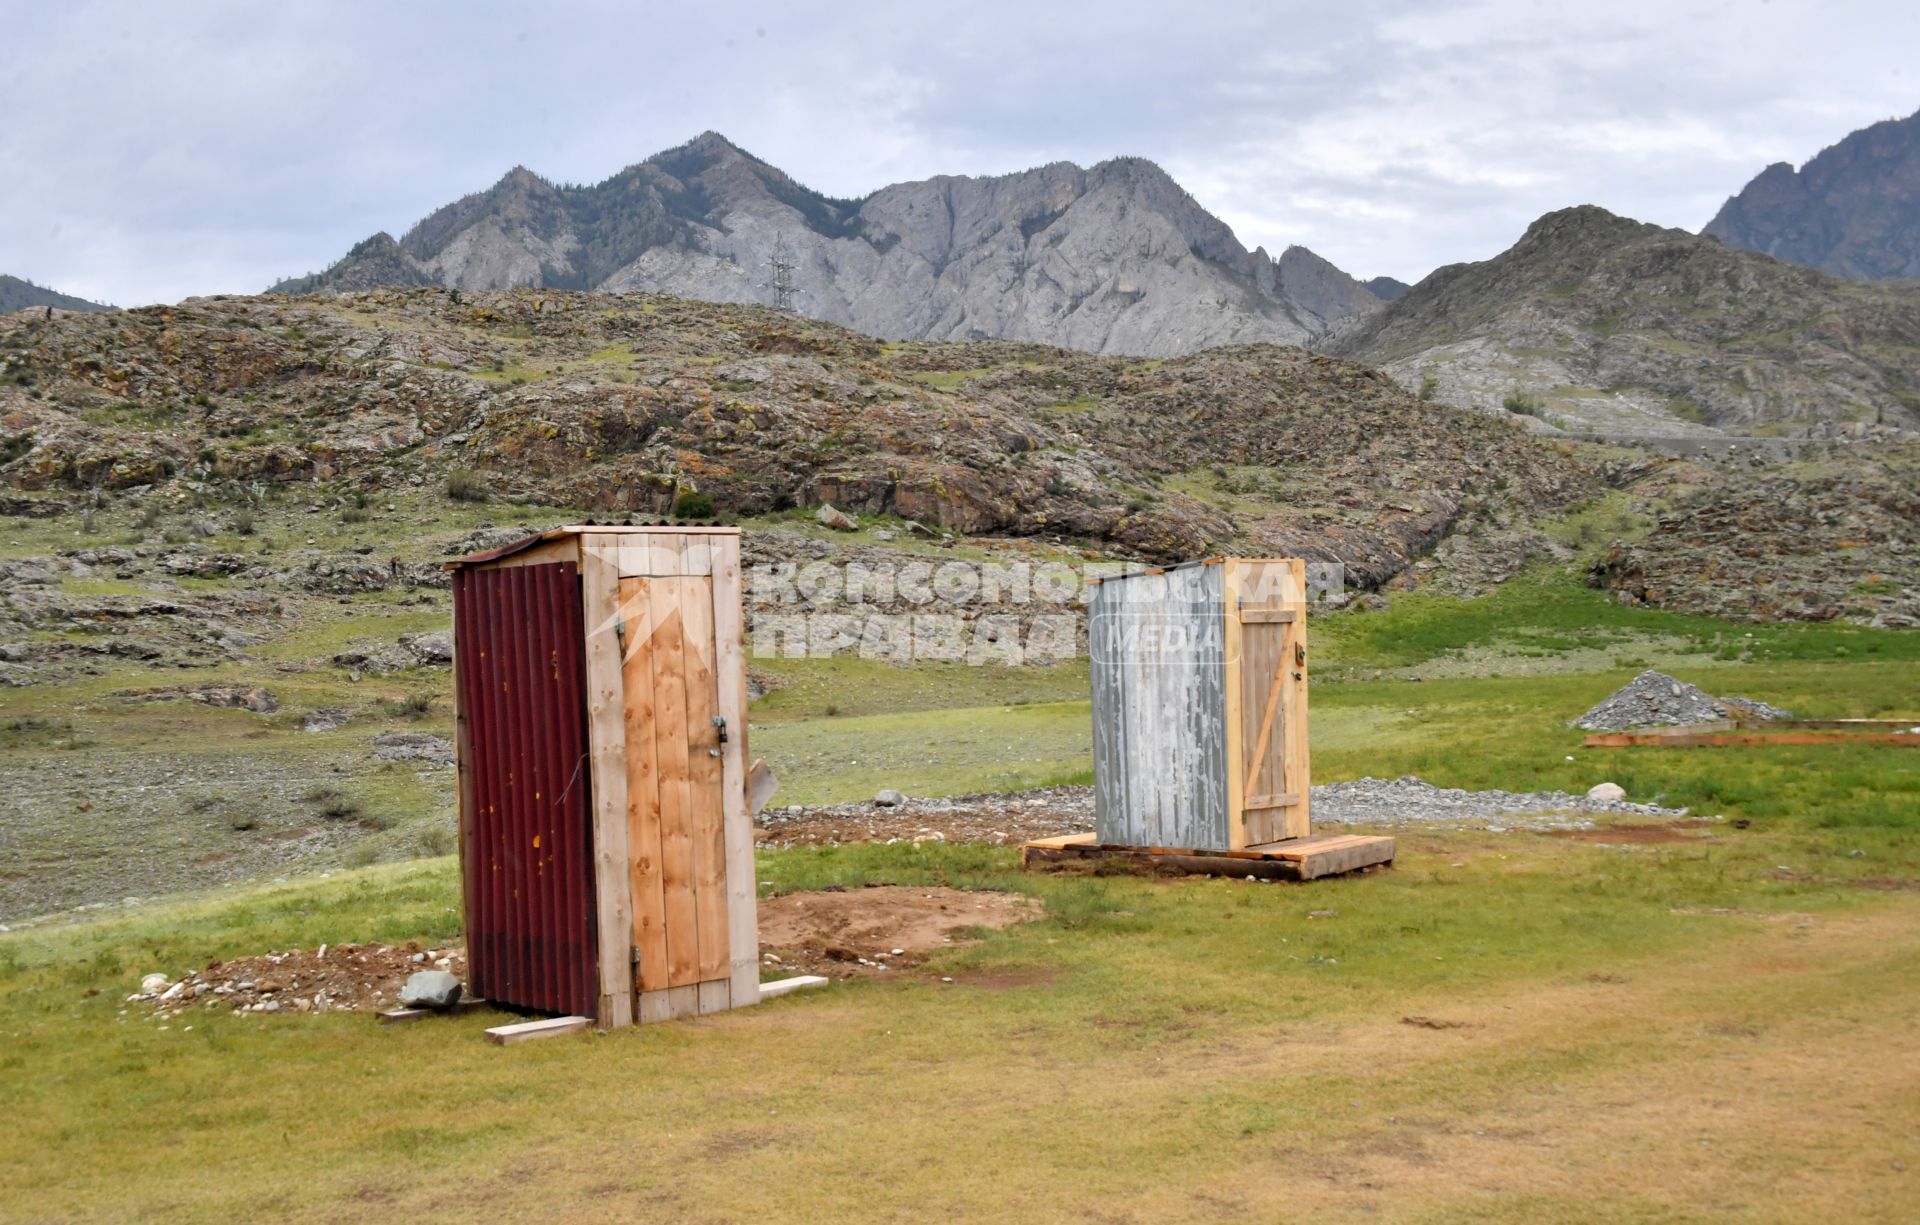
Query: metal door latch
pixel 719 722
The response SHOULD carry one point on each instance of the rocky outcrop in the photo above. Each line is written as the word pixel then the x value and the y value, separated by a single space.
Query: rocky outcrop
pixel 1595 323
pixel 1116 258
pixel 1852 212
pixel 1837 538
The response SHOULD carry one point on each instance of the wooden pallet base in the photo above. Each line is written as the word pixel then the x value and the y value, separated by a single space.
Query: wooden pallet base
pixel 1295 859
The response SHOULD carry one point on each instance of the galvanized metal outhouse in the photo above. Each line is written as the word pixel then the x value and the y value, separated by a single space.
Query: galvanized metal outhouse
pixel 606 842
pixel 1199 676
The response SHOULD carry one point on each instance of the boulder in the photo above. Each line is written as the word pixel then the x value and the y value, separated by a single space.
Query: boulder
pixel 1608 793
pixel 413 746
pixel 838 520
pixel 434 648
pixel 430 989
pixel 890 798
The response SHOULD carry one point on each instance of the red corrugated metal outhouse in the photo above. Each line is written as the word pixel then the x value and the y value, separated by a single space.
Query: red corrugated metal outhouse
pixel 606 842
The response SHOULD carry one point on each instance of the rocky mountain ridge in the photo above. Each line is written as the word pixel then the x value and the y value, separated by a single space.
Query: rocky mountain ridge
pixel 1853 211
pixel 1115 258
pixel 1597 323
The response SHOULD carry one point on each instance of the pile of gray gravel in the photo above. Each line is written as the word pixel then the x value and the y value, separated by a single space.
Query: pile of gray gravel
pixel 1654 699
pixel 1414 802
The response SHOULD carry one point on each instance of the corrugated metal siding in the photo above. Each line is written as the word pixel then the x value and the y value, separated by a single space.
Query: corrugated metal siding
pixel 520 645
pixel 1159 710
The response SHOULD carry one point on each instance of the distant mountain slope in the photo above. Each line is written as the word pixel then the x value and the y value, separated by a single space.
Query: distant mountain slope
pixel 1853 211
pixel 1117 258
pixel 16 294
pixel 1386 288
pixel 1596 322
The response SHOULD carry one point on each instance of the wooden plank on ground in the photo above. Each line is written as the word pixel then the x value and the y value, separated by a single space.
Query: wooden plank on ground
pixel 1060 840
pixel 607 751
pixel 1704 740
pixel 742 796
pixel 398 1016
pixel 1839 725
pixel 1300 848
pixel 649 936
pixel 527 1031
pixel 787 986
pixel 1361 853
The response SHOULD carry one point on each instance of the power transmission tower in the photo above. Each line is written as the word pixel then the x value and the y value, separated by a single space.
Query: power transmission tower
pixel 782 267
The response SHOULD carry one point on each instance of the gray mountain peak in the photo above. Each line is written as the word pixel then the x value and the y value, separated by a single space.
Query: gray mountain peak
pixel 1116 258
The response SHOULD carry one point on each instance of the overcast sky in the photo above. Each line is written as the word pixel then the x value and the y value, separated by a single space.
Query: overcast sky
pixel 153 151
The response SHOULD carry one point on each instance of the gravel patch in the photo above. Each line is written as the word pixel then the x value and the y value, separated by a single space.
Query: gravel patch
pixel 1013 818
pixel 1411 802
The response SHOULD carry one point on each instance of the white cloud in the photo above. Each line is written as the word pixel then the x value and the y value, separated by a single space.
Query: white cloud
pixel 152 152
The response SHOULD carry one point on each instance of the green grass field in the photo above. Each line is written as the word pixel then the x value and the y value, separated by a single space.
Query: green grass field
pixel 1515 1027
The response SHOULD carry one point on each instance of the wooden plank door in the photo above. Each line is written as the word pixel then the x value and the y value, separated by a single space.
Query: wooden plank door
pixel 1267 609
pixel 676 813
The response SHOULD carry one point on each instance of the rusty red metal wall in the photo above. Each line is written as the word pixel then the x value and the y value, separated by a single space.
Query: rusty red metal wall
pixel 520 649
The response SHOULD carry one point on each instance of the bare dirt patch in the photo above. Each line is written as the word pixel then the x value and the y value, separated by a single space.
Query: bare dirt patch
pixel 848 933
pixel 331 978
pixel 879 930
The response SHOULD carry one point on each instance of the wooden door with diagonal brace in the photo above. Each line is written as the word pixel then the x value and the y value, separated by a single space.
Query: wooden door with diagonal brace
pixel 1267 681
